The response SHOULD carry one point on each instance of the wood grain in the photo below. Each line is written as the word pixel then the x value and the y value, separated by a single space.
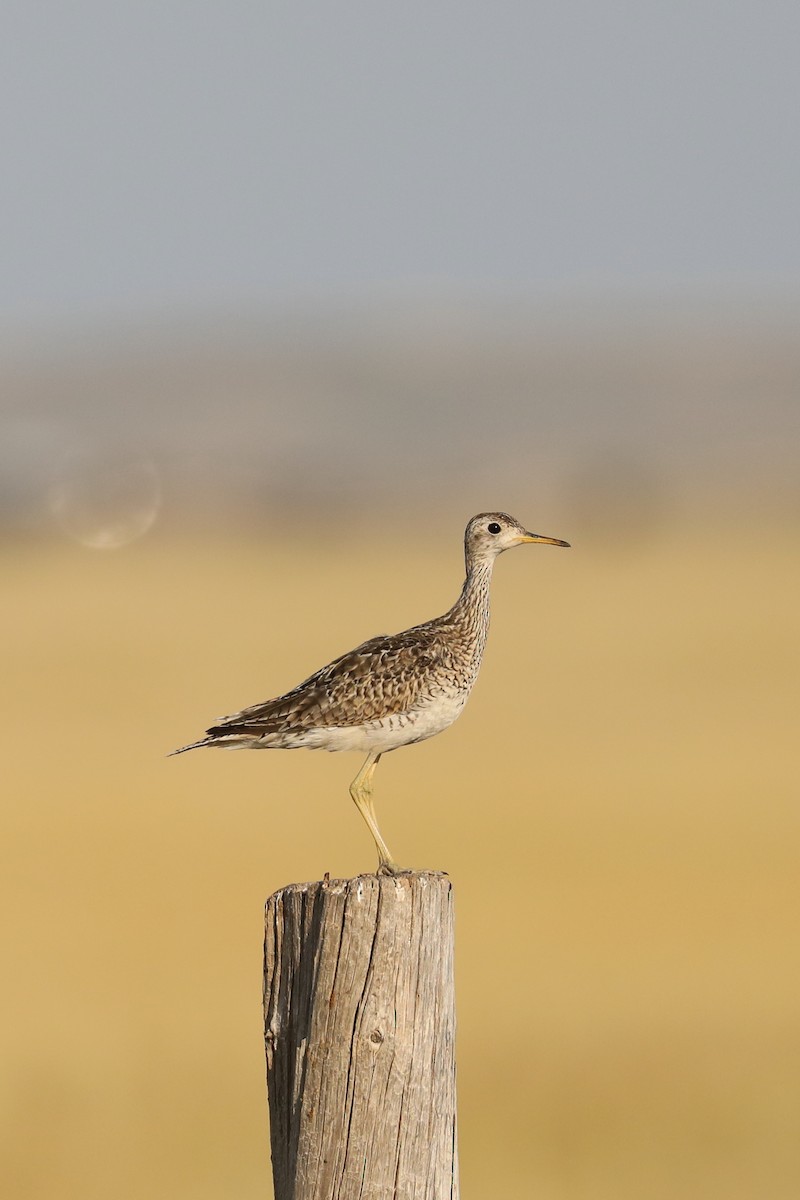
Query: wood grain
pixel 359 1014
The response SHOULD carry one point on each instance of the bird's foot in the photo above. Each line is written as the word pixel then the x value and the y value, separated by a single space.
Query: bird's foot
pixel 392 868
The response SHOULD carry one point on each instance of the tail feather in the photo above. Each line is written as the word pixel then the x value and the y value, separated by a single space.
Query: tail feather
pixel 206 741
pixel 228 737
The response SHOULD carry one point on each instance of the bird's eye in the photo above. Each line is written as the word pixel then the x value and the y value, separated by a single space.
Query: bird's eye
pixel 493 527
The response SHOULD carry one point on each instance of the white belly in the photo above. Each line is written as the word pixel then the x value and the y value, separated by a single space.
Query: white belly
pixel 387 733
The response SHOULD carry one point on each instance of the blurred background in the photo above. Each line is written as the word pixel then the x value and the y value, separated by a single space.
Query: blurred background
pixel 287 293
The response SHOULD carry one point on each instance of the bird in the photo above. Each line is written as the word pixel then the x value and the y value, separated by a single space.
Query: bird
pixel 390 691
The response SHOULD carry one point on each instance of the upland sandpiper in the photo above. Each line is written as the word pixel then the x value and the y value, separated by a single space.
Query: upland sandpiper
pixel 391 691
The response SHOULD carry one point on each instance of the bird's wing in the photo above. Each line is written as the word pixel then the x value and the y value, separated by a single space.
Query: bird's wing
pixel 382 676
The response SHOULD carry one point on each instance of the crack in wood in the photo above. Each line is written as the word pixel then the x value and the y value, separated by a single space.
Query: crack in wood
pixel 360 1039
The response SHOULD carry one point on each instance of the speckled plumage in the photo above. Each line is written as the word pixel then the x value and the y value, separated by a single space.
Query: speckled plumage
pixel 392 690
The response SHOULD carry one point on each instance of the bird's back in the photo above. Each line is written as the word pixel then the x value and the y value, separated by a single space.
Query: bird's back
pixel 383 677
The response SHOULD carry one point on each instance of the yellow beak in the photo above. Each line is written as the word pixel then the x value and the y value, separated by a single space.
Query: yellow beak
pixel 539 537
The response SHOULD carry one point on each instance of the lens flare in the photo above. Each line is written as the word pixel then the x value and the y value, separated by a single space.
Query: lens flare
pixel 106 501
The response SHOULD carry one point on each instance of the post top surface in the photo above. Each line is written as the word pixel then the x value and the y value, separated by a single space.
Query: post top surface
pixel 369 882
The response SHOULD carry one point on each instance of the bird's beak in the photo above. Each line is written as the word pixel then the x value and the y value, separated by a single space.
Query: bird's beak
pixel 539 537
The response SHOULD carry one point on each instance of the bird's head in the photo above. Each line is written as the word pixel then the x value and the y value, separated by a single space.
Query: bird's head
pixel 489 534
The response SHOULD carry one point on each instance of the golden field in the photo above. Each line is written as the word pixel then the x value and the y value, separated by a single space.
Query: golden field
pixel 618 810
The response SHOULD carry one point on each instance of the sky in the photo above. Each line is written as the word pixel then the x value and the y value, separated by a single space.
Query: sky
pixel 168 156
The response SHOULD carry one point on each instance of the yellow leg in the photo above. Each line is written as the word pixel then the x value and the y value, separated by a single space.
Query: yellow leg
pixel 361 791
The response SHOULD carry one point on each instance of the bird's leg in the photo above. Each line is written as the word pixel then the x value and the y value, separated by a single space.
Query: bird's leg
pixel 361 791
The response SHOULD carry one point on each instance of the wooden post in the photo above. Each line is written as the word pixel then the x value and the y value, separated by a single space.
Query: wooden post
pixel 359 1020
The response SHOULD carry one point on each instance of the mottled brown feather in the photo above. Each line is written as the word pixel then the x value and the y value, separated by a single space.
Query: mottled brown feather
pixel 383 676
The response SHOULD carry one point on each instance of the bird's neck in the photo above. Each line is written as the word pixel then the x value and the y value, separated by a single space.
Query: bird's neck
pixel 471 610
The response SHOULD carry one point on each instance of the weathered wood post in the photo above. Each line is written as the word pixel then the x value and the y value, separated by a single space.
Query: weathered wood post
pixel 359 1020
